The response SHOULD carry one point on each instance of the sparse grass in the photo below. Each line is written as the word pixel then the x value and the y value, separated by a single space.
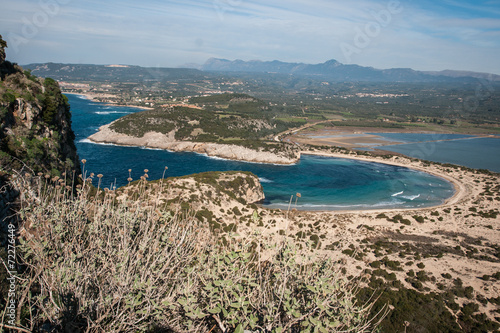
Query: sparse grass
pixel 95 262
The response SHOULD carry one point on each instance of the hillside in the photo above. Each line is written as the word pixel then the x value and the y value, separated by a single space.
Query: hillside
pixel 35 128
pixel 112 73
pixel 234 126
pixel 35 122
pixel 35 138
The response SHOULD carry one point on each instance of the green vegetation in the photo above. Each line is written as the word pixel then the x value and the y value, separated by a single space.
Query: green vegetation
pixel 244 121
pixel 35 124
pixel 427 312
pixel 244 118
pixel 94 263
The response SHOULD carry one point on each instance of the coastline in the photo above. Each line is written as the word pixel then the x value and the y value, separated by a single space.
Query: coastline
pixel 460 194
pixel 92 97
pixel 157 140
pixel 154 140
pixel 433 170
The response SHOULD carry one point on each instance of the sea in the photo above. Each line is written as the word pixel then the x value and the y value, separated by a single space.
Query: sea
pixel 324 183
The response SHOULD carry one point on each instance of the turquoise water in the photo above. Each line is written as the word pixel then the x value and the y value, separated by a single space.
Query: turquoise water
pixel 324 183
pixel 467 150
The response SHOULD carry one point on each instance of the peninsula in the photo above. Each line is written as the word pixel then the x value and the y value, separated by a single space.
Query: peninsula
pixel 231 126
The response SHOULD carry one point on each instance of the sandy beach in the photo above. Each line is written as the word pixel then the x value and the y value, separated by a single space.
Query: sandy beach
pixel 97 97
pixel 460 190
pixel 455 240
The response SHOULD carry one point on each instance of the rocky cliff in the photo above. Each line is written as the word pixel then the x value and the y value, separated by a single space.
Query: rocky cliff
pixel 35 128
pixel 35 123
pixel 168 141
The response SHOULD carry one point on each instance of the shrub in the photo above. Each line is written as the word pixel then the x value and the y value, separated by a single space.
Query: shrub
pixel 236 211
pixel 419 219
pixel 94 263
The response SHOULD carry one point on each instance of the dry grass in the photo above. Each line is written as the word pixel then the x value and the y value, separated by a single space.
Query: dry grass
pixel 93 263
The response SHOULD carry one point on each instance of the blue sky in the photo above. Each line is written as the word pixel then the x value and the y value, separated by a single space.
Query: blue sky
pixel 424 35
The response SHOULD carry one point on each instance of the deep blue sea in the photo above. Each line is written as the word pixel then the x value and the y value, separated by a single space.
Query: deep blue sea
pixel 324 183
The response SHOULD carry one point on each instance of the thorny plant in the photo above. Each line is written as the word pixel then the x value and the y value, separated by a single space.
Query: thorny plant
pixel 100 262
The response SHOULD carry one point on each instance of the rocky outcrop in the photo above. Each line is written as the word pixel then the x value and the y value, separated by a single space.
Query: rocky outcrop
pixel 35 126
pixel 3 45
pixel 201 189
pixel 167 141
pixel 35 130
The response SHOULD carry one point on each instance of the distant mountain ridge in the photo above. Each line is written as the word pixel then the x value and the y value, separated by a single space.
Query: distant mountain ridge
pixel 330 70
pixel 111 73
pixel 334 70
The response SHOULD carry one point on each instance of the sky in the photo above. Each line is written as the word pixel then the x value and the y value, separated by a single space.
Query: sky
pixel 419 34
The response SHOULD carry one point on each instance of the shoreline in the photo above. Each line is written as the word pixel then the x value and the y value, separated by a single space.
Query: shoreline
pixel 460 194
pixel 410 165
pixel 155 140
pixel 162 141
pixel 92 97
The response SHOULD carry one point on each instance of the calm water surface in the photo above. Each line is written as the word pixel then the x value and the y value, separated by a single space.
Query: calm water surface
pixel 324 183
pixel 470 151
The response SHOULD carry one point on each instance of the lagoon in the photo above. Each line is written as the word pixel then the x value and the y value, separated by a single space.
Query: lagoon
pixel 467 150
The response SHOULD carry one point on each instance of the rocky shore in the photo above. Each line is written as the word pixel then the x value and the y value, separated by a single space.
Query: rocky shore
pixel 167 141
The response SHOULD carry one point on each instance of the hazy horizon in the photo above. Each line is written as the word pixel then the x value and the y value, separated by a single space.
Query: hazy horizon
pixel 424 35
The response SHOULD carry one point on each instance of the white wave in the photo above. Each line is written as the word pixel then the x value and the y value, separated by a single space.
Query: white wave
pixel 97 143
pixel 265 180
pixel 85 141
pixel 111 112
pixel 411 197
pixel 148 148
pixel 396 194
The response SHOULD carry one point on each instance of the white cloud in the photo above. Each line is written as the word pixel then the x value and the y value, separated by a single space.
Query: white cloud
pixel 170 33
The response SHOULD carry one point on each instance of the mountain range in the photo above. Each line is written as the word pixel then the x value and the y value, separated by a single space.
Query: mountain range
pixel 336 71
pixel 330 70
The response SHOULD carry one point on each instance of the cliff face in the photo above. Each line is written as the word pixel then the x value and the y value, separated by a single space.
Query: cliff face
pixel 288 155
pixel 35 130
pixel 35 123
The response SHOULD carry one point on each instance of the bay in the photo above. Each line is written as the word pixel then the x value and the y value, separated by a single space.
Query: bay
pixel 323 182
